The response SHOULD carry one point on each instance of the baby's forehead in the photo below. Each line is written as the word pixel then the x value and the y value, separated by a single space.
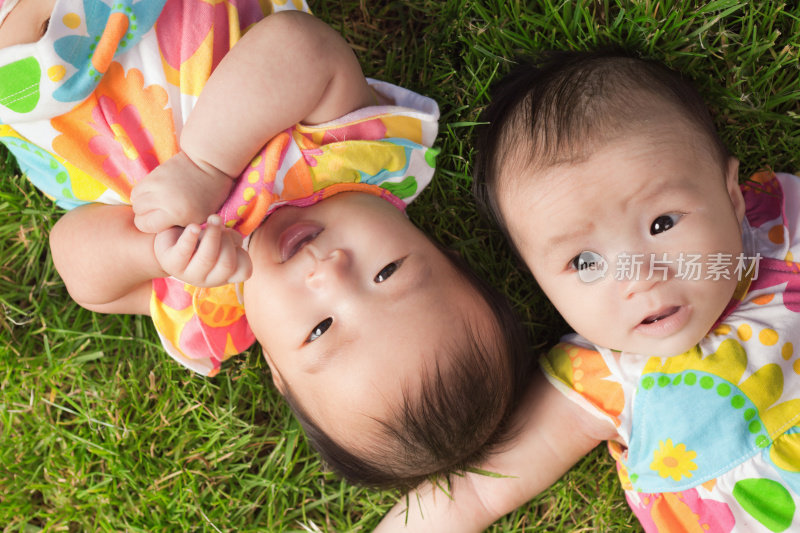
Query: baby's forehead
pixel 561 130
pixel 666 129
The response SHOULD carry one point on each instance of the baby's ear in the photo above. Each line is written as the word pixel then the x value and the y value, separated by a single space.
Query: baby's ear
pixel 734 191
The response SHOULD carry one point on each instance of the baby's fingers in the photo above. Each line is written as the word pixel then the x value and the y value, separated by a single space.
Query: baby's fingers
pixel 174 248
pixel 186 245
pixel 231 263
pixel 226 262
pixel 207 255
pixel 234 263
pixel 153 221
pixel 244 267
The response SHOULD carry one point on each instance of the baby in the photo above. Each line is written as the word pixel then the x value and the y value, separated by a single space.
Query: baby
pixel 398 361
pixel 608 177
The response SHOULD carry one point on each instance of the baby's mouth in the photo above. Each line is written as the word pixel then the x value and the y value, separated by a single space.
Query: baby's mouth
pixel 661 315
pixel 293 238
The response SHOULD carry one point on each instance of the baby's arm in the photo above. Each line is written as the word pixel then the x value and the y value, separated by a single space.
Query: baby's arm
pixel 107 264
pixel 555 433
pixel 289 68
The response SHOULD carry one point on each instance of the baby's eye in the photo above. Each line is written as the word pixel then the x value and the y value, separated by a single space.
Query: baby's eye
pixel 387 271
pixel 590 266
pixel 319 329
pixel 664 223
pixel 586 260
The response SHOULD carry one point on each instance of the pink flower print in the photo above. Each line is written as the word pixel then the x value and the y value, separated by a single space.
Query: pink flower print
pixel 311 155
pixel 763 197
pixel 194 35
pixel 172 293
pixel 184 25
pixel 772 272
pixel 123 140
pixel 120 133
pixel 368 130
pixel 218 323
pixel 681 512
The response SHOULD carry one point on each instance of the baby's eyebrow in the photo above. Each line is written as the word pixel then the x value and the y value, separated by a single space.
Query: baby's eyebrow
pixel 567 236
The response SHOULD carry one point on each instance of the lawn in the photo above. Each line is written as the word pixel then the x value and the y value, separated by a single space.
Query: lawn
pixel 101 431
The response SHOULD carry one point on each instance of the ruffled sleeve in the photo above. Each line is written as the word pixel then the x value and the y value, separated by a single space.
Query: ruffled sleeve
pixel 582 374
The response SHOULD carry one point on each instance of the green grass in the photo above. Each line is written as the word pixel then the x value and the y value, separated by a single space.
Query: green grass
pixel 101 431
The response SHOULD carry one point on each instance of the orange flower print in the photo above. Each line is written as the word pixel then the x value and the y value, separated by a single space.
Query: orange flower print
pixel 120 133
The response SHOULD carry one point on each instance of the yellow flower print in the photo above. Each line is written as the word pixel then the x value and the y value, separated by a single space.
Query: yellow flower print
pixel 673 461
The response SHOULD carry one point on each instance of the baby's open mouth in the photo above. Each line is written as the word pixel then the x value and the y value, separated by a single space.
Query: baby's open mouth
pixel 295 237
pixel 661 315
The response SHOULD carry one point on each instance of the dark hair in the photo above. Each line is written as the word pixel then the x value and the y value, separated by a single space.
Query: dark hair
pixel 557 110
pixel 461 412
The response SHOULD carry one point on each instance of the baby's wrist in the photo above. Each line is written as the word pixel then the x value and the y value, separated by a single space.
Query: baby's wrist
pixel 209 170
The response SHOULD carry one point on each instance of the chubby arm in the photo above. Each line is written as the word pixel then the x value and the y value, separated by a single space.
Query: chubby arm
pixel 107 264
pixel 288 68
pixel 554 434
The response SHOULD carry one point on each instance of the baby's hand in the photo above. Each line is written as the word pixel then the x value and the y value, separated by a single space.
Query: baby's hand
pixel 217 260
pixel 178 193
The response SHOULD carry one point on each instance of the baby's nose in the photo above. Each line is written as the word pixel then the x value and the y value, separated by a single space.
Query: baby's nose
pixel 644 272
pixel 331 270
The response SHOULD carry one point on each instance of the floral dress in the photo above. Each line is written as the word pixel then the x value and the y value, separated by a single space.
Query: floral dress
pixel 100 101
pixel 708 441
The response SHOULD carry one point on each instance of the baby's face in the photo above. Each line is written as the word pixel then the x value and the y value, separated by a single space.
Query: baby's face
pixel 26 23
pixel 350 301
pixel 650 206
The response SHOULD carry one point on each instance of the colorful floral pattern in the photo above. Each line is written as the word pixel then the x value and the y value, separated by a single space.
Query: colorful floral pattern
pixel 682 512
pixel 56 177
pixel 120 133
pixel 111 30
pixel 709 439
pixel 99 102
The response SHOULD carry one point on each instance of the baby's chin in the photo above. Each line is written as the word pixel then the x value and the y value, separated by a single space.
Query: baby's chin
pixel 673 351
pixel 657 348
